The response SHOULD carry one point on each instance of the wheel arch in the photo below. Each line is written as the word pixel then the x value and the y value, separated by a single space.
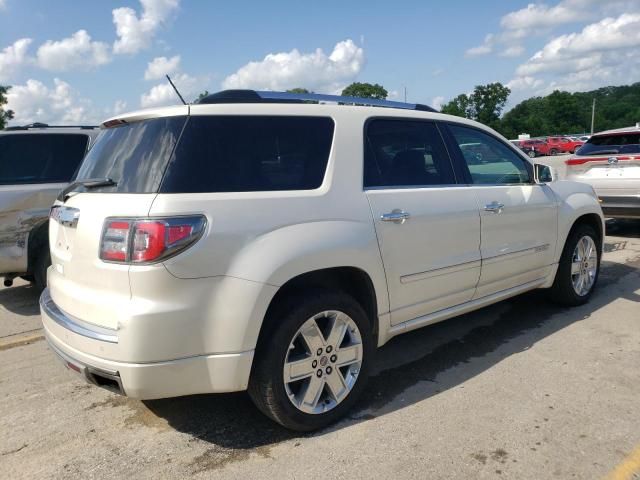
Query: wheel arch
pixel 351 280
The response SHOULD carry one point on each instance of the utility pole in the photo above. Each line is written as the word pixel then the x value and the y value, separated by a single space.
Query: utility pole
pixel 593 114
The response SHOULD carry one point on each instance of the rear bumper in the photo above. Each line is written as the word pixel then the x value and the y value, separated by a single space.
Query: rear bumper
pixel 215 373
pixel 623 206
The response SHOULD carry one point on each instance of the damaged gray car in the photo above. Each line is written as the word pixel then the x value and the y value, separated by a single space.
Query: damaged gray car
pixel 36 162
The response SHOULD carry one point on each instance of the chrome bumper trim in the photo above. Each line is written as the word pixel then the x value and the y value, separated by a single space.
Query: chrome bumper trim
pixel 94 332
pixel 87 372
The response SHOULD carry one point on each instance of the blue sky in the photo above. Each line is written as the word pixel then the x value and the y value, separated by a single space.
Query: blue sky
pixel 74 62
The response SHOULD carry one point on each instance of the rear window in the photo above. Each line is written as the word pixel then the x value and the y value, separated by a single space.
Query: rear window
pixel 40 158
pixel 250 153
pixel 134 155
pixel 611 144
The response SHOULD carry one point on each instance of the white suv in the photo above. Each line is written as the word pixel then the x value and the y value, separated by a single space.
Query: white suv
pixel 270 242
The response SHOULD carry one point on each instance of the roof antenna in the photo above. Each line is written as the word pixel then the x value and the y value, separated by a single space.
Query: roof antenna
pixel 175 89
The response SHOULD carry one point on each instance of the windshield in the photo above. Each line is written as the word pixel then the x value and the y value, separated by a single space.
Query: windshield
pixel 620 143
pixel 133 155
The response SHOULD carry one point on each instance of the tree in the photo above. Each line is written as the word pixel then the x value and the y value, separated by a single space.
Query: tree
pixel 201 96
pixel 459 106
pixel 365 90
pixel 5 115
pixel 485 104
pixel 298 90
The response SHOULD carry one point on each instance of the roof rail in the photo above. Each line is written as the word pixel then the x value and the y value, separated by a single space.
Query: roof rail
pixel 253 96
pixel 44 125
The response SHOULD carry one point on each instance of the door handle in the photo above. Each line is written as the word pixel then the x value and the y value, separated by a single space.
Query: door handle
pixel 395 216
pixel 494 207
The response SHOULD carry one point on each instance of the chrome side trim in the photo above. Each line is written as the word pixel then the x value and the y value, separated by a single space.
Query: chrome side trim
pixel 94 332
pixel 414 277
pixel 466 307
pixel 513 255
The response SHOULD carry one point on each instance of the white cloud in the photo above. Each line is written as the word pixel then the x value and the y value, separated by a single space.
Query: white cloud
pixel 135 32
pixel 484 49
pixel 3 4
pixel 513 51
pixel 603 53
pixel 163 94
pixel 161 66
pixel 315 71
pixel 437 102
pixel 118 107
pixel 540 15
pixel 13 57
pixel 75 52
pixel 60 104
pixel 580 51
pixel 524 83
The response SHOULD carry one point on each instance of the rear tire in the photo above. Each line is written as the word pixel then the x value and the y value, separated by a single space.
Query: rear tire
pixel 288 339
pixel 553 152
pixel 42 263
pixel 573 266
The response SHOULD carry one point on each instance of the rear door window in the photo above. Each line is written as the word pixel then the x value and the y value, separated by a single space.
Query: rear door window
pixel 250 153
pixel 405 153
pixel 40 158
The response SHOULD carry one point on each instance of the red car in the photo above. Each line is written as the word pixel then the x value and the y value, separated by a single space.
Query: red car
pixel 563 145
pixel 535 145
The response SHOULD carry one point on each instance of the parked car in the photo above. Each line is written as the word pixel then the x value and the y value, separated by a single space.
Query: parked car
pixel 610 162
pixel 563 145
pixel 259 241
pixel 531 148
pixel 540 146
pixel 36 162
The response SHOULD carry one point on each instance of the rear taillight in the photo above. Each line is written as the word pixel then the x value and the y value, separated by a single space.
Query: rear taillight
pixel 583 160
pixel 147 240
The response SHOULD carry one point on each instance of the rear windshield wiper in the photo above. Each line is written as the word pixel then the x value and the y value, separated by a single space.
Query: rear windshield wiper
pixel 88 184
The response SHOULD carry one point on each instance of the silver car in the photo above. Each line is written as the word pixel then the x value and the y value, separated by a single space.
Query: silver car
pixel 36 162
pixel 610 163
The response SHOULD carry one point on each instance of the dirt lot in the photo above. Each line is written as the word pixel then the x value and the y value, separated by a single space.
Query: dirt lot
pixel 521 389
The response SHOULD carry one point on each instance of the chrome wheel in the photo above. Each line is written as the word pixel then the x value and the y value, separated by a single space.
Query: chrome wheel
pixel 323 361
pixel 584 265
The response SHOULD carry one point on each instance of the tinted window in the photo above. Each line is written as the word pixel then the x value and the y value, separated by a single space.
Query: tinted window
pixel 250 153
pixel 489 160
pixel 134 155
pixel 611 144
pixel 405 153
pixel 40 158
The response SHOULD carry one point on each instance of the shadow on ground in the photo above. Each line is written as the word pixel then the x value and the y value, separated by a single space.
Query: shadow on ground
pixel 21 299
pixel 423 360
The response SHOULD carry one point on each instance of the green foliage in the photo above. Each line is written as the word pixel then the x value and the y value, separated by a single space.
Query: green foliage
pixel 5 115
pixel 565 113
pixel 201 96
pixel 485 104
pixel 298 90
pixel 365 90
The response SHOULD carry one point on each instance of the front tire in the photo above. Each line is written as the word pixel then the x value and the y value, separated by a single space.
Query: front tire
pixel 578 268
pixel 313 360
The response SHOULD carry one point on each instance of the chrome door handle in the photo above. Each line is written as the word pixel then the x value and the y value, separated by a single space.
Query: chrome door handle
pixel 396 216
pixel 494 207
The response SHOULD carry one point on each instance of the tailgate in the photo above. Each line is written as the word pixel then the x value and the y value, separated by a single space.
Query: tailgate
pixel 81 284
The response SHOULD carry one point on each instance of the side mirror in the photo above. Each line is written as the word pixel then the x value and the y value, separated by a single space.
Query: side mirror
pixel 544 173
